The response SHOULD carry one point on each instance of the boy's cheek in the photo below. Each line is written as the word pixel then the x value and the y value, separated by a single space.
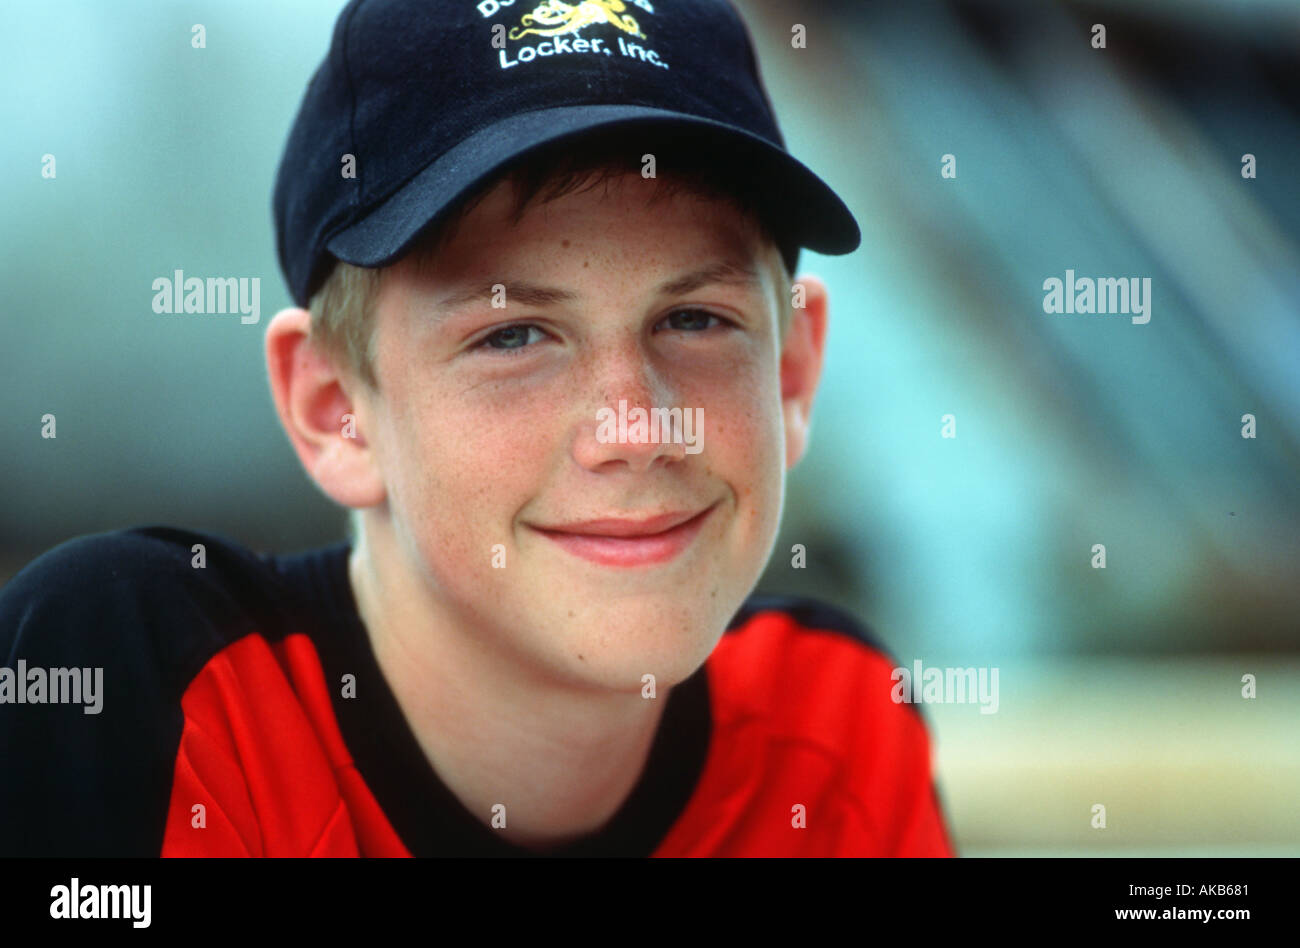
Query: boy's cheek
pixel 744 426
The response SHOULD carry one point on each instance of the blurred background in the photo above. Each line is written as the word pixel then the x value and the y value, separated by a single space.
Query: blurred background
pixel 1119 686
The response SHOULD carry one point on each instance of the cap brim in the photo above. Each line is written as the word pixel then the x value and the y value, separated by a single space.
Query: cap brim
pixel 809 212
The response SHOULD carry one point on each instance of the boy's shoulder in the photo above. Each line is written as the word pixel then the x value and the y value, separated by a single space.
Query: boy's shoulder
pixel 804 707
pixel 810 637
pixel 810 672
pixel 101 641
pixel 808 614
pixel 124 594
pixel 99 638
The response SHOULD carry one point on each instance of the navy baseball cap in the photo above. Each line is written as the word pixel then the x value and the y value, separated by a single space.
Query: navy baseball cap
pixel 432 99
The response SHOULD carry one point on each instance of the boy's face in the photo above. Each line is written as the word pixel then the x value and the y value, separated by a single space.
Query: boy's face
pixel 484 430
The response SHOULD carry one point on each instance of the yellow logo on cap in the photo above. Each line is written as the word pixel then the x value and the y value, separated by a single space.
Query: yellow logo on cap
pixel 556 17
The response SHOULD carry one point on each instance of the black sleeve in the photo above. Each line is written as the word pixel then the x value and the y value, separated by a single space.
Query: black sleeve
pixel 130 607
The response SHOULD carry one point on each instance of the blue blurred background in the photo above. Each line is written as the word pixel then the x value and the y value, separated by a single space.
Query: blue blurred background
pixel 1120 686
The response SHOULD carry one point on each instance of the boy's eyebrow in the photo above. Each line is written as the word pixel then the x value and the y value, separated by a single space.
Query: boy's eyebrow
pixel 530 294
pixel 533 294
pixel 723 271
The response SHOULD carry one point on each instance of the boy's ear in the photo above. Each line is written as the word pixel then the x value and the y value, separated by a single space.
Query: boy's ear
pixel 801 365
pixel 324 425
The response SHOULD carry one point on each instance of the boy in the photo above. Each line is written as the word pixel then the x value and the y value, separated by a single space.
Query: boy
pixel 503 229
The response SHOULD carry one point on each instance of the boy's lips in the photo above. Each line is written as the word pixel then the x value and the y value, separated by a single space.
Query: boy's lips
pixel 616 541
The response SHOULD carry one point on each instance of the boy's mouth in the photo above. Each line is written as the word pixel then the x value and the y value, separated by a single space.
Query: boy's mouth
pixel 616 541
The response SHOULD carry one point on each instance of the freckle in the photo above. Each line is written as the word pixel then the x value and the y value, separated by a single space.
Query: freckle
pixel 570 613
pixel 564 243
pixel 581 659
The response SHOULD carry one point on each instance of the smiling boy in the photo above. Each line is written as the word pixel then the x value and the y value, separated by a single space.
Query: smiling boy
pixel 540 640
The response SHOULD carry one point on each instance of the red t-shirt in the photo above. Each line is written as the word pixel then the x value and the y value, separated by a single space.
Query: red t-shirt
pixel 224 729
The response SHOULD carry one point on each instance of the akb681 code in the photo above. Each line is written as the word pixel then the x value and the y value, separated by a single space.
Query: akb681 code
pixel 1160 891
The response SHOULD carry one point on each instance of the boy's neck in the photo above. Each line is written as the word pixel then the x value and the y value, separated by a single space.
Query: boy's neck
pixel 562 759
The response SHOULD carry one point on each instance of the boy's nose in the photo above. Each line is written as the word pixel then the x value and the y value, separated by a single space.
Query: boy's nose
pixel 624 423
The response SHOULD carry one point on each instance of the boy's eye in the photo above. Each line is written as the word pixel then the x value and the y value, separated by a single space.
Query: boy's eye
pixel 511 339
pixel 692 320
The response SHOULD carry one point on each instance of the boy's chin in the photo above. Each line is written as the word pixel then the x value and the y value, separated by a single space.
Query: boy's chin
pixel 619 652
